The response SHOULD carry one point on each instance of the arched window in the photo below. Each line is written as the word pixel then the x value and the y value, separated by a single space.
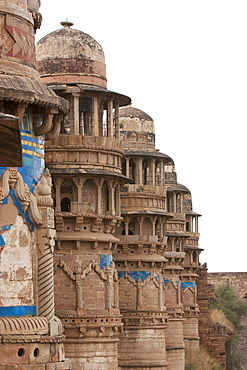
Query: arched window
pixel 65 205
pixel 194 256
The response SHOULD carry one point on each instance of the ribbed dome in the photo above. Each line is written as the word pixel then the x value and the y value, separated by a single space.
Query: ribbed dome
pixel 136 128
pixel 71 56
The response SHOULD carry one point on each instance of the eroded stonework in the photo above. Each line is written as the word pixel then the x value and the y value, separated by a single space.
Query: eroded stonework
pixel 99 254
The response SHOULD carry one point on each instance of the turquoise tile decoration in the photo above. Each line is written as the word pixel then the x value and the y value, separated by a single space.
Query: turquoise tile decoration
pixel 2 242
pixel 18 311
pixel 166 281
pixel 20 211
pixel 33 163
pixel 135 275
pixel 105 261
pixel 191 284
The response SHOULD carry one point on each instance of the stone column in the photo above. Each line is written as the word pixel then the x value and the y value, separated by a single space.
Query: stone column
pixel 175 202
pixel 117 119
pixel 117 194
pixel 76 114
pixel 153 172
pixel 110 118
pixel 140 160
pixel 95 117
pixel 162 173
pixel 99 197
pixel 58 182
pixel 127 167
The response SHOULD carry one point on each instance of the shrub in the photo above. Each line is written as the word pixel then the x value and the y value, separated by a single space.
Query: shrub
pixel 235 309
pixel 200 359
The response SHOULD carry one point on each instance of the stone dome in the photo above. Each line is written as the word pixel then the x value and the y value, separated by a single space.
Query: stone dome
pixel 136 128
pixel 135 119
pixel 71 56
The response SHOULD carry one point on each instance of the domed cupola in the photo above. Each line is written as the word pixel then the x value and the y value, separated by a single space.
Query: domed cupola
pixel 136 129
pixel 71 56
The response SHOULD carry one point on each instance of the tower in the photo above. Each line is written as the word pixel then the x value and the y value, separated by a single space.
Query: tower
pixel 140 253
pixel 30 333
pixel 85 163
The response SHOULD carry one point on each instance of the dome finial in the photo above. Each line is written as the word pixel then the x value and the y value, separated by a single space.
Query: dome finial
pixel 66 24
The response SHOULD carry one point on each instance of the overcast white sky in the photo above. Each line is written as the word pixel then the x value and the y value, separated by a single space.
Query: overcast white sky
pixel 184 63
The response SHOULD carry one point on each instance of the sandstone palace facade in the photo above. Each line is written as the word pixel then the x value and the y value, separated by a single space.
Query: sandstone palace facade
pixel 99 252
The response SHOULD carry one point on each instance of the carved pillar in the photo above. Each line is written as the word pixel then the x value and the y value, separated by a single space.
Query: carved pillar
pixel 45 236
pixel 117 119
pixel 110 118
pixel 140 220
pixel 109 288
pixel 139 294
pixel 76 114
pixel 152 172
pixel 140 161
pixel 99 195
pixel 95 117
pixel 57 183
pixel 127 167
pixel 117 195
pixel 175 202
pixel 79 297
pixel 111 197
pixel 126 223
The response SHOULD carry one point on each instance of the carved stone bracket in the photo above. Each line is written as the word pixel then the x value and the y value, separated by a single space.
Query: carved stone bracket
pixel 12 179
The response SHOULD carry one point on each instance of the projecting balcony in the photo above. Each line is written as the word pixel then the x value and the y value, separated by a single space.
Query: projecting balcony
pixel 174 254
pixel 72 141
pixel 147 189
pixel 139 238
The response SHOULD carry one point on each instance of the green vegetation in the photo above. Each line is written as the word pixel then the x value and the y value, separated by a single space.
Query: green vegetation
pixel 235 309
pixel 199 359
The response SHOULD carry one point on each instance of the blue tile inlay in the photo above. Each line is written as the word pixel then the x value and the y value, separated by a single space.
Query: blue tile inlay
pixel 156 277
pixel 2 242
pixel 20 211
pixel 18 311
pixel 33 163
pixel 105 260
pixel 166 281
pixel 5 227
pixel 188 283
pixel 31 139
pixel 142 275
pixel 135 275
pixel 120 274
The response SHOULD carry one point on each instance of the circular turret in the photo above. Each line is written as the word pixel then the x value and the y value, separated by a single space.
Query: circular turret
pixel 71 56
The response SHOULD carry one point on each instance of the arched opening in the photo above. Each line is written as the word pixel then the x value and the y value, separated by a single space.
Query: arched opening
pixel 147 227
pixel 89 196
pixel 146 172
pixel 169 245
pixel 65 205
pixel 124 167
pixel 85 116
pixel 194 256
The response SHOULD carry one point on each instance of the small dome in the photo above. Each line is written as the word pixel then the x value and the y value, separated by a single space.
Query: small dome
pixel 71 56
pixel 136 128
